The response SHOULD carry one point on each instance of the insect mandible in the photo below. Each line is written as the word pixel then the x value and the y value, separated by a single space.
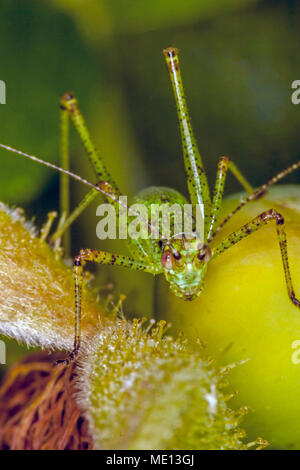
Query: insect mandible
pixel 182 259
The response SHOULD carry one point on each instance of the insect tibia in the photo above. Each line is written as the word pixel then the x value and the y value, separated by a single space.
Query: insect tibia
pixel 172 60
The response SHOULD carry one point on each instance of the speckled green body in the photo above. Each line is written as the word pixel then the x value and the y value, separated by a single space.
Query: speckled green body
pixel 150 250
pixel 183 260
pixel 186 274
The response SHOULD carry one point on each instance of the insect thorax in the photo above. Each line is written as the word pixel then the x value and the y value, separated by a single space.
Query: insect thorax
pixel 163 207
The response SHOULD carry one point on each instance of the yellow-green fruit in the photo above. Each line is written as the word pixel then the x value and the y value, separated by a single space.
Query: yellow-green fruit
pixel 244 312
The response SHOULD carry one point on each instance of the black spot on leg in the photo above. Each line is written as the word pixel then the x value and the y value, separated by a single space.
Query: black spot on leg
pixel 68 96
pixel 280 220
pixel 260 194
pixel 294 300
pixel 171 51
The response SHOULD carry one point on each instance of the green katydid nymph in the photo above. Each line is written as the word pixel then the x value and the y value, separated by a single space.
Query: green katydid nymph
pixel 182 258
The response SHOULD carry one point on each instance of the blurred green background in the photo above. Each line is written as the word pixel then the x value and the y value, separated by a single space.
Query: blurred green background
pixel 238 57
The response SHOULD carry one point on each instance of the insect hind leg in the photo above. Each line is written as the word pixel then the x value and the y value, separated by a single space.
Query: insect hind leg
pixel 255 224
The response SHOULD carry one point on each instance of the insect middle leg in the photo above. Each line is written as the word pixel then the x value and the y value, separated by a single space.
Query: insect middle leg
pixel 101 257
pixel 260 191
pixel 251 227
pixel 64 190
pixel 224 165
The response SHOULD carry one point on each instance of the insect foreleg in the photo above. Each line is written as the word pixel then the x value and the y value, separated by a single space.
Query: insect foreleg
pixel 251 227
pixel 101 257
pixel 197 181
pixel 224 165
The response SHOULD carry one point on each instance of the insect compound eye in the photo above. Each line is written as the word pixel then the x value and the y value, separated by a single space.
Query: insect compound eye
pixel 179 261
pixel 167 259
pixel 204 254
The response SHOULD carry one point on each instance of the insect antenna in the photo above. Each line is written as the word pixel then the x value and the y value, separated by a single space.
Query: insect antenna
pixel 98 187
